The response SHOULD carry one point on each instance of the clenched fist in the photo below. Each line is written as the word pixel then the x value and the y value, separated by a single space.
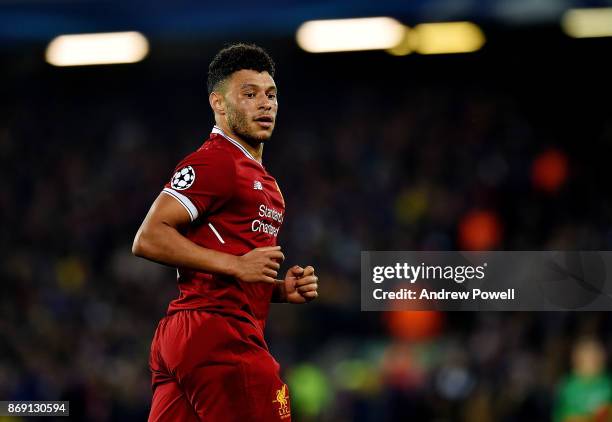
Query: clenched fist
pixel 300 284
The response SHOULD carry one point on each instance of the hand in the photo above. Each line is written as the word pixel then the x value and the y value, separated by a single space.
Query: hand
pixel 301 284
pixel 259 265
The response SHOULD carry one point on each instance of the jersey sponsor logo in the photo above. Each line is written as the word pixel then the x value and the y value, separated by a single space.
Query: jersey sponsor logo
pixel 275 215
pixel 261 226
pixel 183 178
pixel 257 185
pixel 282 398
pixel 264 226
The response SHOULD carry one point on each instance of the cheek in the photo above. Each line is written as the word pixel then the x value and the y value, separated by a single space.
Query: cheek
pixel 246 108
pixel 240 112
pixel 246 104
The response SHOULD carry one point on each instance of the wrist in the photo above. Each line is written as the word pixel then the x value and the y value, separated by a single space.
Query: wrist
pixel 231 266
pixel 279 295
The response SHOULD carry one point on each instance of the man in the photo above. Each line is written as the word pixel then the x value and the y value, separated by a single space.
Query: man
pixel 217 221
pixel 585 394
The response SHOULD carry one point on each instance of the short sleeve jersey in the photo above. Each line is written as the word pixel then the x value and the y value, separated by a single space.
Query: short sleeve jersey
pixel 235 205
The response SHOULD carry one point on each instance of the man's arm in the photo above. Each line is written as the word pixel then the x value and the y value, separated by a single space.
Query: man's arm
pixel 159 239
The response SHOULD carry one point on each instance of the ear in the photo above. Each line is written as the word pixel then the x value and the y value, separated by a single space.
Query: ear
pixel 217 102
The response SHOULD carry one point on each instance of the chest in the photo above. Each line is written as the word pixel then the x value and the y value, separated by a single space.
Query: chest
pixel 257 194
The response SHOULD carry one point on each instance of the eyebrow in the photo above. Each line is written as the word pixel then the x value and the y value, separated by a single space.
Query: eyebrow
pixel 242 86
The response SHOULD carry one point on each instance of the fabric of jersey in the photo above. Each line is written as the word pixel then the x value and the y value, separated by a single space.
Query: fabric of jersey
pixel 239 207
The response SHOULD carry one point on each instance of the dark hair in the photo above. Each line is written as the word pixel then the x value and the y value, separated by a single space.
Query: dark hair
pixel 236 57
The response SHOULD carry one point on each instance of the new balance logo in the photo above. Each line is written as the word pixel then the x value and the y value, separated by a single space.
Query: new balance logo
pixel 257 185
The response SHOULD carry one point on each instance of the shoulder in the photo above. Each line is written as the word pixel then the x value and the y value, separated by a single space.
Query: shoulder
pixel 211 167
pixel 212 154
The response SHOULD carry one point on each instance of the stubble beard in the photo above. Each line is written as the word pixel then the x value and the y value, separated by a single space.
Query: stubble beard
pixel 238 123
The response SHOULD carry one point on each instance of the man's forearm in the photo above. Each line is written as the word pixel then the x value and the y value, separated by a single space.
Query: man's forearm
pixel 164 244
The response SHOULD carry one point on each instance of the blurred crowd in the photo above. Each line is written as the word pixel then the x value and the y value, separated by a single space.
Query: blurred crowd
pixel 371 164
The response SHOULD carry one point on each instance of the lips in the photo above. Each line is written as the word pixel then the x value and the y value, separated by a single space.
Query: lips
pixel 265 121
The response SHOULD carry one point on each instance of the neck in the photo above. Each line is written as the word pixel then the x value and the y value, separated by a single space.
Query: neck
pixel 255 150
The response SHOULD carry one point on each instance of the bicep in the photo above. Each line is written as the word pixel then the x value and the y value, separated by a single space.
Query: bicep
pixel 167 210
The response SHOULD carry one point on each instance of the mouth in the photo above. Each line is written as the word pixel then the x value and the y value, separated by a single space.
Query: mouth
pixel 265 121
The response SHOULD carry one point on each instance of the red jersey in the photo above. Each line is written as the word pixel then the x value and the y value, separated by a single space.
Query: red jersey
pixel 235 205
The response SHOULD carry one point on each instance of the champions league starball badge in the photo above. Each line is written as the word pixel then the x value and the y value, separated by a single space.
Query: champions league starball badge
pixel 183 178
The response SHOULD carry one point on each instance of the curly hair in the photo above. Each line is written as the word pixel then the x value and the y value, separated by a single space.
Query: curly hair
pixel 236 57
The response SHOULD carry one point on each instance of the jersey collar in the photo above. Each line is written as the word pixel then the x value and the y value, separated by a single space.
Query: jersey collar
pixel 216 129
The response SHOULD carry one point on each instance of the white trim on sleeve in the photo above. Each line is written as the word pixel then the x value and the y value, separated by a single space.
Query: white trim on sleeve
pixel 184 201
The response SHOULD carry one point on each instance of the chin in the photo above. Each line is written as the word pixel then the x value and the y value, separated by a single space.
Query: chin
pixel 257 137
pixel 263 136
pixel 262 139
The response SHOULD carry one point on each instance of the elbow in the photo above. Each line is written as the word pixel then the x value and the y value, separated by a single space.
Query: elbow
pixel 139 247
pixel 151 242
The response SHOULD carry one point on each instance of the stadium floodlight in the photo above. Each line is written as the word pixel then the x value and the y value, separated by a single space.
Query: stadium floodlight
pixel 323 36
pixel 447 37
pixel 101 48
pixel 407 45
pixel 588 23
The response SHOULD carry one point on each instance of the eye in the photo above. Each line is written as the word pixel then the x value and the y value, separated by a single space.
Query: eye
pixel 271 96
pixel 250 95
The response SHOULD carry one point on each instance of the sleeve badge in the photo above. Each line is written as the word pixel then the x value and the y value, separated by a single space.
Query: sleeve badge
pixel 183 178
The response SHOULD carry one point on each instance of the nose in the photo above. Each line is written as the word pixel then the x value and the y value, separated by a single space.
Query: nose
pixel 265 103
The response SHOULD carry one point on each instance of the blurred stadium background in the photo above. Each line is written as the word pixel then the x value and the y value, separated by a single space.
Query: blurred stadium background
pixel 507 147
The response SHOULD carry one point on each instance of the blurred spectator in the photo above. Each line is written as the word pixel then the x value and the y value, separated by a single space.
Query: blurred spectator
pixel 586 393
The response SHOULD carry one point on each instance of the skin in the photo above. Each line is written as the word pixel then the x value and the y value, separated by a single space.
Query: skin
pixel 237 103
pixel 241 99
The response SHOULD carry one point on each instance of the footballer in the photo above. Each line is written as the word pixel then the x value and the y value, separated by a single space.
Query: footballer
pixel 217 221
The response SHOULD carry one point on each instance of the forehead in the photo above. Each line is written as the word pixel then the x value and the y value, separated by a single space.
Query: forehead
pixel 248 77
